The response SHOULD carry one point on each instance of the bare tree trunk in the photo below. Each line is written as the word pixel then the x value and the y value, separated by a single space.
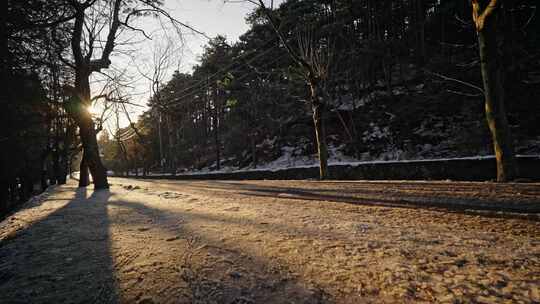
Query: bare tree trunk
pixel 98 171
pixel 318 107
pixel 76 107
pixel 88 133
pixel 84 66
pixel 494 92
pixel 320 135
pixel 84 178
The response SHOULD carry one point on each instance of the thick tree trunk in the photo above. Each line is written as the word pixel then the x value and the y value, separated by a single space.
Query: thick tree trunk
pixel 494 101
pixel 93 161
pixel 84 178
pixel 87 132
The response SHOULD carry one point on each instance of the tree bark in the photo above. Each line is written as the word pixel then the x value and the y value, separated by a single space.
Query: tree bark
pixel 87 132
pixel 91 153
pixel 84 179
pixel 494 92
pixel 318 107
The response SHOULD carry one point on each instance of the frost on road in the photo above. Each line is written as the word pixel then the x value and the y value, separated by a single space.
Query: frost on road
pixel 272 242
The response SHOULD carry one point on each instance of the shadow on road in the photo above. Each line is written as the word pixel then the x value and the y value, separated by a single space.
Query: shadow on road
pixel 62 258
pixel 490 200
pixel 210 271
pixel 68 257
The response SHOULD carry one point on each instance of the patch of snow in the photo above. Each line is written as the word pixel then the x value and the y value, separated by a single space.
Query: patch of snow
pixel 375 133
pixel 372 96
pixel 399 91
pixel 267 142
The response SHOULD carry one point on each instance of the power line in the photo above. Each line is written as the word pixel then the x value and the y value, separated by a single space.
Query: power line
pixel 226 68
pixel 203 83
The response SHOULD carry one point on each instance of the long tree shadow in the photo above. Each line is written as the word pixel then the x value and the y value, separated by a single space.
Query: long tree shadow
pixel 440 199
pixel 63 258
pixel 387 197
pixel 220 219
pixel 477 195
pixel 67 257
pixel 206 263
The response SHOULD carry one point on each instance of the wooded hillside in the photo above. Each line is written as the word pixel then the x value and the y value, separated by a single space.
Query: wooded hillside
pixel 401 80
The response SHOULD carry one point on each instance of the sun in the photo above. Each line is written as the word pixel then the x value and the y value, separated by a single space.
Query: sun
pixel 93 109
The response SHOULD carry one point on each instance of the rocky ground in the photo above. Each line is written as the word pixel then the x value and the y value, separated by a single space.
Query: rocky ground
pixel 274 242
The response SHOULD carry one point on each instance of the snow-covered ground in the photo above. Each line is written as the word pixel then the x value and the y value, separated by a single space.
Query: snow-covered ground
pixel 145 241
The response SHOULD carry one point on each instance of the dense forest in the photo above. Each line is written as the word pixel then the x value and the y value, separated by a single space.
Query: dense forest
pixel 327 80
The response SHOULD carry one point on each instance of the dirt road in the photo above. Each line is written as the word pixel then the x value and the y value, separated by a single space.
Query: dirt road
pixel 274 242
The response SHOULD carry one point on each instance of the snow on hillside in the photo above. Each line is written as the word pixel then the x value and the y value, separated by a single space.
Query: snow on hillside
pixel 290 159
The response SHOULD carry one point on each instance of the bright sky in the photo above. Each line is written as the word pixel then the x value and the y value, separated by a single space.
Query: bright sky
pixel 213 17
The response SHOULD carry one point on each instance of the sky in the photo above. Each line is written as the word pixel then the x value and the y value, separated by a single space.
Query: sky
pixel 212 17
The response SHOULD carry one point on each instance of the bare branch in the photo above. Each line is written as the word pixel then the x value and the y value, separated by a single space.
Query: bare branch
pixel 470 85
pixel 104 61
pixel 479 18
